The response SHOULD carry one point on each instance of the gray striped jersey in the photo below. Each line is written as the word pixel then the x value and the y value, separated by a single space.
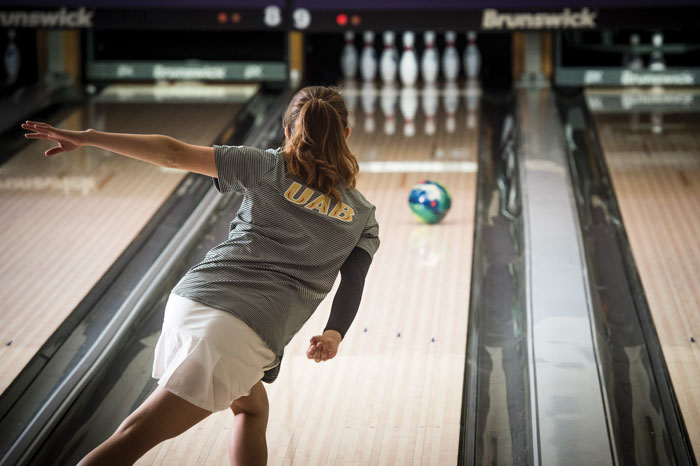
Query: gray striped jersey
pixel 284 249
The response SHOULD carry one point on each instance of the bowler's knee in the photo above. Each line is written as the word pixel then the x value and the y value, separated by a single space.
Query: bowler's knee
pixel 255 404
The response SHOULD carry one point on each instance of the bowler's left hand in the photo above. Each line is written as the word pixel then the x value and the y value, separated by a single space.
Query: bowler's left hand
pixel 324 347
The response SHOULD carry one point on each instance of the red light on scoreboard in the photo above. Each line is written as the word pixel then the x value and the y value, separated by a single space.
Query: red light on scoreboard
pixel 222 17
pixel 342 19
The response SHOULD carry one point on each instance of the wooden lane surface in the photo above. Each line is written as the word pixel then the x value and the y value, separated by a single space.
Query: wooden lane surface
pixel 656 178
pixel 66 219
pixel 385 399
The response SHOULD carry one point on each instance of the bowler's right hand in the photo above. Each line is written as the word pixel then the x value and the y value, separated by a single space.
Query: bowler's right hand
pixel 67 140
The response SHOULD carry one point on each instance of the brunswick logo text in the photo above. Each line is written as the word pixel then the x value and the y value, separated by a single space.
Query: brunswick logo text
pixel 63 18
pixel 566 19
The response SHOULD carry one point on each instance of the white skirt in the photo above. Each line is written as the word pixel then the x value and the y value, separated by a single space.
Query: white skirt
pixel 207 356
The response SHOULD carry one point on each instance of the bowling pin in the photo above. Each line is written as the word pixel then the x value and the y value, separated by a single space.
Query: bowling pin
pixel 348 59
pixel 408 102
pixel 388 62
pixel 450 100
pixel 656 59
pixel 430 102
pixel 632 60
pixel 472 57
pixel 369 97
pixel 429 62
pixel 12 58
pixel 657 122
pixel 350 95
pixel 368 59
pixel 471 96
pixel 408 67
pixel 389 96
pixel 450 57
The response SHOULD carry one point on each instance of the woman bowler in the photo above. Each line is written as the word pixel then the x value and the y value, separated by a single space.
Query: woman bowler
pixel 229 318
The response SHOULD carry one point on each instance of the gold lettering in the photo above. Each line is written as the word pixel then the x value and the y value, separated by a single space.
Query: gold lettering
pixel 292 194
pixel 321 203
pixel 342 212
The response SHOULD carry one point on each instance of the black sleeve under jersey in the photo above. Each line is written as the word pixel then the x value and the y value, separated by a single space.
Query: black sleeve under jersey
pixel 347 298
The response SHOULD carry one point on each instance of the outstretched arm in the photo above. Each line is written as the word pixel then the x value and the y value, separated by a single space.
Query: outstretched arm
pixel 345 304
pixel 153 148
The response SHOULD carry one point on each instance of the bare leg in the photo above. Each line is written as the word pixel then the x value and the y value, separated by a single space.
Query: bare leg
pixel 248 445
pixel 162 416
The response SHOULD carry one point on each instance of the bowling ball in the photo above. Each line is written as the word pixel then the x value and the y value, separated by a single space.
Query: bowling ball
pixel 429 201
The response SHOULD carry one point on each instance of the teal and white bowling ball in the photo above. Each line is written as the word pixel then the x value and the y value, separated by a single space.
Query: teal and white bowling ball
pixel 429 201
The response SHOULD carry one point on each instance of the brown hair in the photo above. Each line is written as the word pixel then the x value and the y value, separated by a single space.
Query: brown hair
pixel 316 150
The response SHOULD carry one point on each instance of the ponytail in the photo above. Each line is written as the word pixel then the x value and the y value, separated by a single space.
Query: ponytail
pixel 316 150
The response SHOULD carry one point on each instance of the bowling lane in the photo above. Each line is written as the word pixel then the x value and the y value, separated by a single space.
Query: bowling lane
pixel 66 219
pixel 393 393
pixel 654 163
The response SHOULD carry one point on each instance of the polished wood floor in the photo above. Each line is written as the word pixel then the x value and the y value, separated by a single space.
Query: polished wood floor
pixel 66 219
pixel 392 396
pixel 655 168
